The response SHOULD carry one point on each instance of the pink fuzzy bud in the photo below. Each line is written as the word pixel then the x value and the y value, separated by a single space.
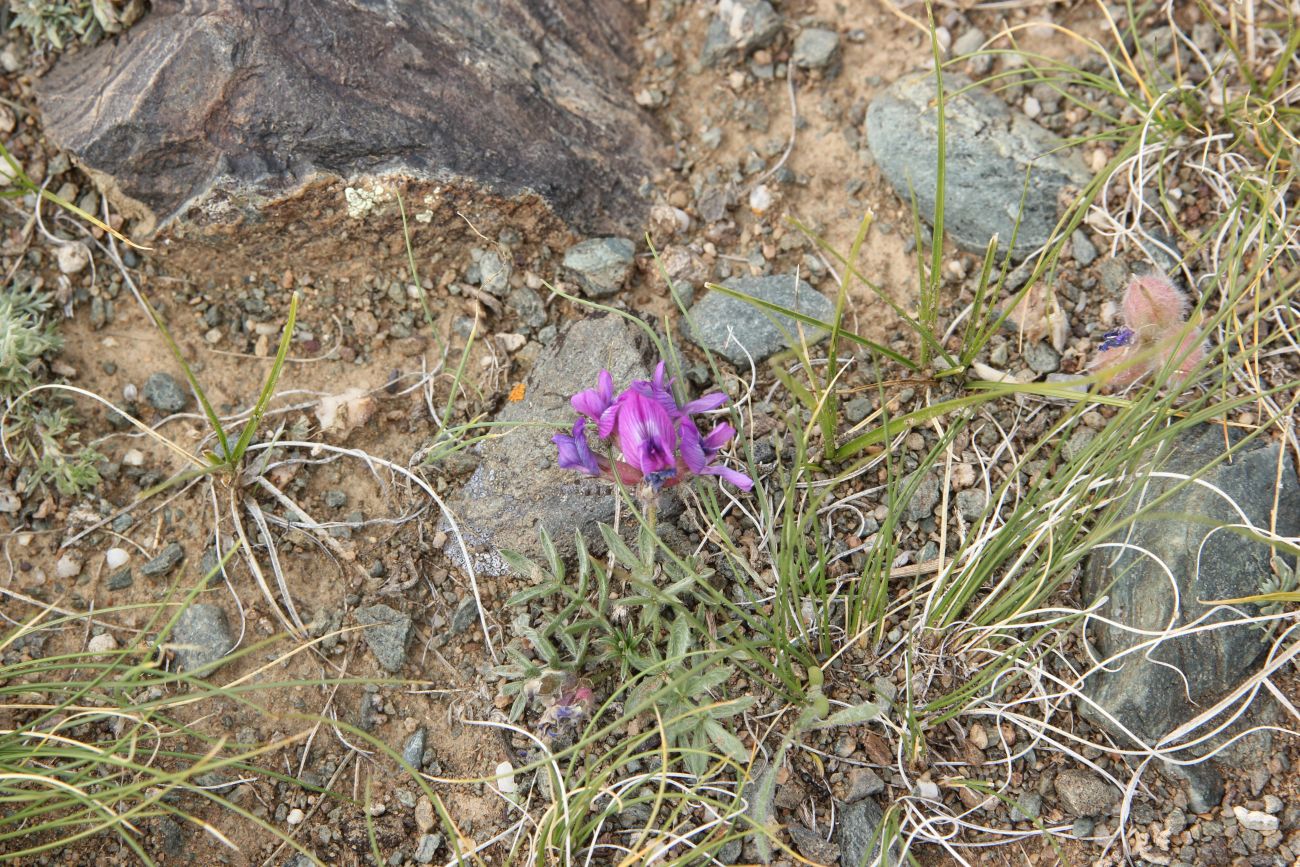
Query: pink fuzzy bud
pixel 1153 303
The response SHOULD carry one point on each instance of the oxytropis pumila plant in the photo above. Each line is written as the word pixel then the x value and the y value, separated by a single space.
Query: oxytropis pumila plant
pixel 655 443
pixel 1155 333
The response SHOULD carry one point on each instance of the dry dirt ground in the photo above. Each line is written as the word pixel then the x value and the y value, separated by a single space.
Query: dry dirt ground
pixel 395 557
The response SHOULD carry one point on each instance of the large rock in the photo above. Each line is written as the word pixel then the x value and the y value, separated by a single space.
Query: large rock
pixel 518 486
pixel 989 149
pixel 1187 545
pixel 266 132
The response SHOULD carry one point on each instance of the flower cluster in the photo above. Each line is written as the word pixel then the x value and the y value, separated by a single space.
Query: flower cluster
pixel 655 441
pixel 1155 331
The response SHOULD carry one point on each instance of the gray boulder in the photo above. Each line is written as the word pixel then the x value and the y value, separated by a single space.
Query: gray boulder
pixel 732 327
pixel 989 149
pixel 266 132
pixel 1152 692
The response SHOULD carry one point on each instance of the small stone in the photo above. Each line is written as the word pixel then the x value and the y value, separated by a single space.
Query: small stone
pixel 738 27
pixel 115 558
pixel 505 777
pixel 815 48
pixel 336 499
pixel 812 846
pixel 1085 252
pixel 73 257
pixel 413 749
pixel 427 848
pixel 740 331
pixel 133 458
pixel 424 817
pixel 164 562
pixel 1031 107
pixel 121 579
pixel 1082 828
pixel 102 643
pixel 968 43
pixel 165 394
pixel 1272 804
pixel 863 783
pixel 201 637
pixel 858 836
pixel 857 409
pixel 924 499
pixel 465 615
pixel 1083 793
pixel 495 274
pixel 68 566
pixel 386 634
pixel 1042 358
pixel 295 817
pixel 601 265
pixel 971 503
pixel 1256 820
pixel 1027 807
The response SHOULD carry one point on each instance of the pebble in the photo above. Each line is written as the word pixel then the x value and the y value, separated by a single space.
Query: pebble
pixel 1042 357
pixel 1027 808
pixel 1255 820
pixel 115 558
pixel 505 776
pixel 738 27
pixel 971 503
pixel 969 42
pixel 413 749
pixel 68 566
pixel 133 458
pixel 73 257
pixel 465 615
pixel 424 817
pixel 427 848
pixel 1083 793
pixel 164 393
pixel 102 643
pixel 386 634
pixel 201 637
pixel 815 48
pixel 1085 252
pixel 739 330
pixel 601 265
pixel 164 562
pixel 121 579
pixel 296 816
pixel 857 409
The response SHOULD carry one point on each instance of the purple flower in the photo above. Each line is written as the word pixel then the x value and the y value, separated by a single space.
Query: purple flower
pixel 594 401
pixel 699 451
pixel 575 454
pixel 647 437
pixel 1117 338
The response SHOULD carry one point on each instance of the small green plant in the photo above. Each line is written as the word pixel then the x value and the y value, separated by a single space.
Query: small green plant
pixel 50 25
pixel 38 433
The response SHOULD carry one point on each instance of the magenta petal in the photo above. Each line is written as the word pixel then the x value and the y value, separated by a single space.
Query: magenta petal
pixel 594 401
pixel 646 434
pixel 608 418
pixel 693 448
pixel 575 454
pixel 740 480
pixel 718 437
pixel 705 404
